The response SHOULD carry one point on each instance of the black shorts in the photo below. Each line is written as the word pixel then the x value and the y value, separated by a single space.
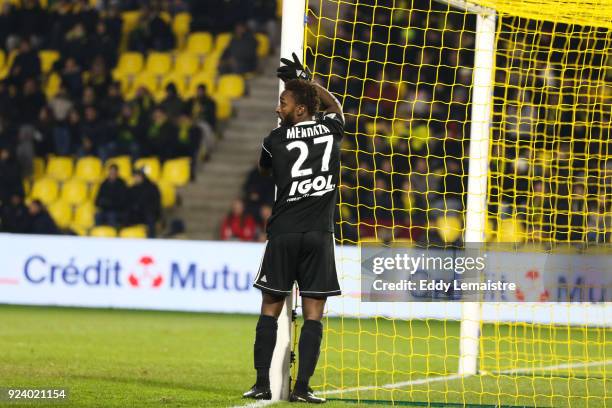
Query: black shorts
pixel 305 257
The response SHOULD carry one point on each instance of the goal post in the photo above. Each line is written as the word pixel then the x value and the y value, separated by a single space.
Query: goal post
pixel 292 41
pixel 476 211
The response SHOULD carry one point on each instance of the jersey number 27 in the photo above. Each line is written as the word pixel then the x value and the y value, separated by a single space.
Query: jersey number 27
pixel 296 170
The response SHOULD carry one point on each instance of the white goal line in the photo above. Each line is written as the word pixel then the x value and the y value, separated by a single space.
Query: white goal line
pixel 457 376
pixel 452 377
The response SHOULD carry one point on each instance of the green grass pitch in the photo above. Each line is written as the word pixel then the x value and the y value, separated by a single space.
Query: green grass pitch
pixel 120 358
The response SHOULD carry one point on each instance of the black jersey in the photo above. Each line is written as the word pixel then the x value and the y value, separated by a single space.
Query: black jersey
pixel 305 163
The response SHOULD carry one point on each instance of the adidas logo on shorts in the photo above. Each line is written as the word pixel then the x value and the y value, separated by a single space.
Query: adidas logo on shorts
pixel 263 279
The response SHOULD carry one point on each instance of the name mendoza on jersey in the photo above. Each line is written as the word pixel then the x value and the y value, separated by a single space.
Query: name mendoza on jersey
pixel 297 132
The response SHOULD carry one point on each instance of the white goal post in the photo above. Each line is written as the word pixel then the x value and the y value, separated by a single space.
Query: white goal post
pixel 292 40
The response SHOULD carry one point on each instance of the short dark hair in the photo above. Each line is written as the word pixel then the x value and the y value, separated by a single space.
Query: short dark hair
pixel 304 93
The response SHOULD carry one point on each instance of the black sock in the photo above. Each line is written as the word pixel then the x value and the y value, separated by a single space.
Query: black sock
pixel 309 348
pixel 265 340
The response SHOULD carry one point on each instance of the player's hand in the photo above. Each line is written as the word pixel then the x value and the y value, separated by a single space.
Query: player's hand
pixel 293 70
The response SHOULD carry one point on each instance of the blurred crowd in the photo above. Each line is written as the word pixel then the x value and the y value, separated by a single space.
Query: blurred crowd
pixel 90 115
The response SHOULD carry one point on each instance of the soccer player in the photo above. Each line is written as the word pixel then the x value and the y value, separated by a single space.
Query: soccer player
pixel 303 156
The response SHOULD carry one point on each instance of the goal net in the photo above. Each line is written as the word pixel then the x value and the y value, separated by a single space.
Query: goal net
pixel 404 72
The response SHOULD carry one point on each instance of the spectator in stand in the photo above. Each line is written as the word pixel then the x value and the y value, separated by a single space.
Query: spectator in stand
pixel 172 104
pixel 76 46
pixel 202 107
pixel 128 132
pixel 204 112
pixel 88 99
pixel 39 221
pixel 31 21
pixel 7 24
pixel 144 104
pixel 26 64
pixel 64 113
pixel 104 46
pixel 189 141
pixel 238 225
pixel 112 104
pixel 259 189
pixel 44 128
pixel 96 130
pixel 99 78
pixel 240 56
pixel 14 215
pixel 111 199
pixel 30 102
pixel 265 212
pixel 152 32
pixel 161 136
pixel 61 104
pixel 114 25
pixel 143 203
pixel 72 77
pixel 10 176
pixel 25 149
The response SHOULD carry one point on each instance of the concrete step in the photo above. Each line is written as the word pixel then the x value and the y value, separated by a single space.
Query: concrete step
pixel 268 94
pixel 253 103
pixel 220 180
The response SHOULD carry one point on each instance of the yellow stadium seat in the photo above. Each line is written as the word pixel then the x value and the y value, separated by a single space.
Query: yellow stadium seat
pixel 93 191
pixel 449 228
pixel 60 167
pixel 130 20
pixel 130 63
pixel 224 107
pixel 27 186
pixel 187 63
pixel 200 43
pixel 222 41
pixel 53 85
pixel 135 231
pixel 84 216
pixel 38 168
pixel 181 26
pixel 511 230
pixel 168 194
pixel 178 80
pixel 151 167
pixel 2 58
pixel 103 231
pixel 164 15
pixel 124 163
pixel 4 71
pixel 211 65
pixel 47 59
pixel 158 63
pixel 176 171
pixel 45 190
pixel 74 192
pixel 263 45
pixel 231 86
pixel 89 169
pixel 61 212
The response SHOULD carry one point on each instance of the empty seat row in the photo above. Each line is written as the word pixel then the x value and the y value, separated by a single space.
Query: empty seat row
pixel 75 192
pixel 82 221
pixel 91 170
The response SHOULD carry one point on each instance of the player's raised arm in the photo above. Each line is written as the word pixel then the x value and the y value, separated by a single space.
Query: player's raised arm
pixel 295 70
pixel 329 103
